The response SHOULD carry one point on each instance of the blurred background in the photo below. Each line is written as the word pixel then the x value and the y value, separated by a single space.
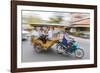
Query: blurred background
pixel 78 24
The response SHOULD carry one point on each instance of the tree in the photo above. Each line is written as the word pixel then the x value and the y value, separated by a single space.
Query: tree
pixel 33 20
pixel 57 18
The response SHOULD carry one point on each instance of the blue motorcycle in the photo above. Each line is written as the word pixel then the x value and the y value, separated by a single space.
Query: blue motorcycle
pixel 71 48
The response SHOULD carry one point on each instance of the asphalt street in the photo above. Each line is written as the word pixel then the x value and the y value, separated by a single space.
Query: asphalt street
pixel 29 55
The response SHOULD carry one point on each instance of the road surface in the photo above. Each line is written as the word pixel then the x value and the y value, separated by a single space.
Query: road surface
pixel 29 55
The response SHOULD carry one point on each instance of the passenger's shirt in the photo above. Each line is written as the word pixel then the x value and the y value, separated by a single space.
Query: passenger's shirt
pixel 50 34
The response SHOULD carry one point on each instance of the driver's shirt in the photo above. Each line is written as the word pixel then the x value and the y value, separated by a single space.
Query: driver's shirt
pixel 67 37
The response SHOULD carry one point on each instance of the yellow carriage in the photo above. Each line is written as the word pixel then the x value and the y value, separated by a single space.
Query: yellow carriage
pixel 43 45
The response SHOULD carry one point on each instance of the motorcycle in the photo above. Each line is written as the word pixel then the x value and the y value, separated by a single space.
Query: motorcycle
pixel 72 48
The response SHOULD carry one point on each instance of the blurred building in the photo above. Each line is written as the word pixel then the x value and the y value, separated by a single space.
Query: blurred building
pixel 80 25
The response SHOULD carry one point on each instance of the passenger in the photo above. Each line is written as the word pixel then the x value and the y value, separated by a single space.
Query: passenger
pixel 50 33
pixel 35 32
pixel 41 32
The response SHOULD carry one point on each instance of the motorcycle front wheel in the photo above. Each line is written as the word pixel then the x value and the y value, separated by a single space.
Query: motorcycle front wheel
pixel 79 53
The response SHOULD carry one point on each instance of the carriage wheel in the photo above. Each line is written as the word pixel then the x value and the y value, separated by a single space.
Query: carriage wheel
pixel 79 53
pixel 37 48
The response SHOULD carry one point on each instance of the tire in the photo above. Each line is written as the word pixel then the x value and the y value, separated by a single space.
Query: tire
pixel 58 49
pixel 37 48
pixel 79 53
